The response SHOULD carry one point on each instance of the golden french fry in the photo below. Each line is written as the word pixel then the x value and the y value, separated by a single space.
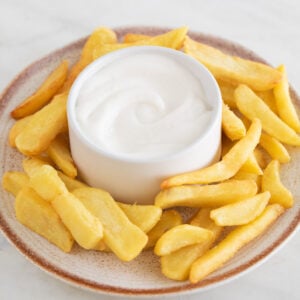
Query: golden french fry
pixel 43 127
pixel 241 212
pixel 212 195
pixel 234 241
pixel 38 215
pixel 43 94
pixel 251 165
pixel 169 219
pixel 135 37
pixel 232 125
pixel 181 236
pixel 32 164
pixel 99 36
pixel 176 265
pixel 269 99
pixel 233 69
pixel 171 39
pixel 16 129
pixel 286 109
pixel 275 149
pixel 14 181
pixel 271 123
pixel 227 92
pixel 227 167
pixel 60 153
pixel 125 239
pixel 143 216
pixel 271 182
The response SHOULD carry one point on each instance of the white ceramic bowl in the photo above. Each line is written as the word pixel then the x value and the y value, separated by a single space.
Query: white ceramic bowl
pixel 136 180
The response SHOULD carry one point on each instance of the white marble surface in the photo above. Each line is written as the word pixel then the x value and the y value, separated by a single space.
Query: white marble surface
pixel 30 29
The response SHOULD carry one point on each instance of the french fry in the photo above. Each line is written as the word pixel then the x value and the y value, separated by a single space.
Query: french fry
pixel 251 165
pixel 32 164
pixel 234 241
pixel 125 239
pixel 232 125
pixel 233 69
pixel 269 99
pixel 43 127
pixel 135 37
pixel 275 149
pixel 227 92
pixel 172 39
pixel 14 181
pixel 241 212
pixel 271 182
pixel 227 167
pixel 241 175
pixel 181 236
pixel 212 195
pixel 286 109
pixel 169 219
pixel 60 153
pixel 143 216
pixel 43 94
pixel 38 215
pixel 271 123
pixel 71 183
pixel 16 129
pixel 176 265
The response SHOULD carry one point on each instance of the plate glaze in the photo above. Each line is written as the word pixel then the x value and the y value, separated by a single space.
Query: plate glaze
pixel 103 272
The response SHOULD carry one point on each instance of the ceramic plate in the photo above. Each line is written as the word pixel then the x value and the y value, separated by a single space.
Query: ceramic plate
pixel 103 272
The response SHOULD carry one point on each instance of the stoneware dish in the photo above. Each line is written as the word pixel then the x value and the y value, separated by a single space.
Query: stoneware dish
pixel 103 272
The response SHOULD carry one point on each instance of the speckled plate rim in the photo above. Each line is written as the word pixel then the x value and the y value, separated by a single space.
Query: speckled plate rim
pixel 77 281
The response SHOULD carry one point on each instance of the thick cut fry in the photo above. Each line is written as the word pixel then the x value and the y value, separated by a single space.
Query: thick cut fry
pixel 269 99
pixel 86 229
pixel 227 167
pixel 234 241
pixel 125 239
pixel 143 216
pixel 233 69
pixel 135 37
pixel 172 39
pixel 232 125
pixel 275 149
pixel 38 215
pixel 100 36
pixel 46 182
pixel 181 236
pixel 286 109
pixel 13 182
pixel 271 182
pixel 16 129
pixel 60 153
pixel 212 195
pixel 32 164
pixel 43 127
pixel 43 94
pixel 271 123
pixel 227 92
pixel 176 265
pixel 168 220
pixel 241 212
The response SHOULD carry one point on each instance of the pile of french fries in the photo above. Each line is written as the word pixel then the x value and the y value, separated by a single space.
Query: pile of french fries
pixel 242 191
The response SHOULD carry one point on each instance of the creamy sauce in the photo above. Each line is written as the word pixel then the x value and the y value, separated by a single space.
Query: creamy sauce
pixel 143 106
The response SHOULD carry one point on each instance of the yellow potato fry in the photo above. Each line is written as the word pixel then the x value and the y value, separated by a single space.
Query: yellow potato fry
pixel 234 241
pixel 286 109
pixel 233 69
pixel 143 216
pixel 71 183
pixel 46 182
pixel 99 36
pixel 212 195
pixel 13 182
pixel 172 39
pixel 16 129
pixel 181 236
pixel 271 123
pixel 269 99
pixel 86 229
pixel 275 149
pixel 38 215
pixel 60 153
pixel 227 92
pixel 241 212
pixel 43 94
pixel 169 219
pixel 271 182
pixel 125 239
pixel 251 165
pixel 43 127
pixel 227 167
pixel 176 265
pixel 32 164
pixel 135 37
pixel 232 125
